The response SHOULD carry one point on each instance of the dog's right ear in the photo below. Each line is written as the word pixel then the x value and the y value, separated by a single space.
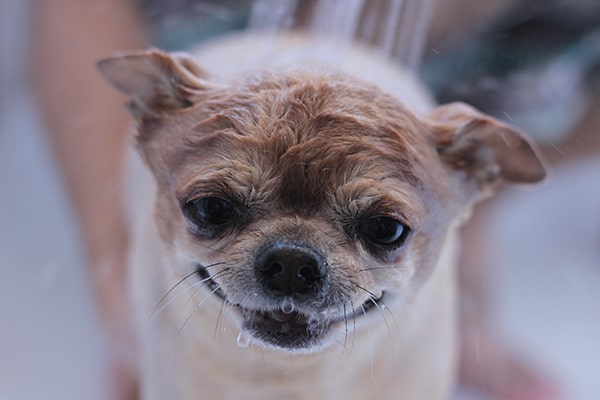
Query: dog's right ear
pixel 157 82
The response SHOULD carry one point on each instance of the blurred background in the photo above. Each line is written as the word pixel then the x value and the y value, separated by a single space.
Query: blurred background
pixel 533 63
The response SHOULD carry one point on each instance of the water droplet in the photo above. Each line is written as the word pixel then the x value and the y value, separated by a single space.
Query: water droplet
pixel 287 305
pixel 243 340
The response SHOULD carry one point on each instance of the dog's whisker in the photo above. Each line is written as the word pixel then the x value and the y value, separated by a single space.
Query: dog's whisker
pixel 209 266
pixel 227 271
pixel 180 329
pixel 191 313
pixel 344 343
pixel 381 309
pixel 371 355
pixel 226 308
pixel 212 248
pixel 171 290
pixel 166 304
pixel 179 283
pixel 160 307
pixel 353 328
pixel 385 307
pixel 206 296
pixel 345 326
pixel 376 269
pixel 218 322
pixel 376 302
pixel 347 346
pixel 371 294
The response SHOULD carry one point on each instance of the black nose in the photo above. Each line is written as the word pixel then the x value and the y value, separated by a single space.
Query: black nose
pixel 289 268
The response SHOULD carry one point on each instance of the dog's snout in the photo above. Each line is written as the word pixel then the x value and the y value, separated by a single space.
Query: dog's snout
pixel 290 269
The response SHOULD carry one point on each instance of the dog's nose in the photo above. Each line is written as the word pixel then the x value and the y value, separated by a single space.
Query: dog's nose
pixel 289 268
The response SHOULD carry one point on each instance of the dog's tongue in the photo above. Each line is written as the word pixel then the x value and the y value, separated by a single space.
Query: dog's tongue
pixel 287 313
pixel 280 316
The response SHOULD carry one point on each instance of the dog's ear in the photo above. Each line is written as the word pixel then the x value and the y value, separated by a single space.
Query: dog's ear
pixel 481 146
pixel 157 82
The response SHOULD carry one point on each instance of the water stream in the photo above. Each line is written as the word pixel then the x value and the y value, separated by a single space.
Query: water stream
pixel 397 28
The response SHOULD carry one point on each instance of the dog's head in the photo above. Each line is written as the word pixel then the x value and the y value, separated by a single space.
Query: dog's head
pixel 306 199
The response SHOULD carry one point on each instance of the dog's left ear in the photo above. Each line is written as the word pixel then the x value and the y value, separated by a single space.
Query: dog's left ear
pixel 481 146
pixel 157 82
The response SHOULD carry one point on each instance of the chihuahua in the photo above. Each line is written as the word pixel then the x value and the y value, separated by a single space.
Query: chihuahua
pixel 298 237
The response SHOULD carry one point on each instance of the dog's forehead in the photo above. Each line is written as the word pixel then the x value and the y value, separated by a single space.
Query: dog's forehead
pixel 300 138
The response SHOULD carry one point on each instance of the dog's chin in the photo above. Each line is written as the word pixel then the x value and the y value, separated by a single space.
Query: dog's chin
pixel 293 331
pixel 289 328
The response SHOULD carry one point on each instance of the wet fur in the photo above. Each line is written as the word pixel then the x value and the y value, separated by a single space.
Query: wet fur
pixel 305 154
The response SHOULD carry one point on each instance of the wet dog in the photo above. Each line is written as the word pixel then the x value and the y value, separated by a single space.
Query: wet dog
pixel 298 237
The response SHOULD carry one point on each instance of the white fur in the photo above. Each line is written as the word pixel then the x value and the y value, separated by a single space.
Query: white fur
pixel 191 352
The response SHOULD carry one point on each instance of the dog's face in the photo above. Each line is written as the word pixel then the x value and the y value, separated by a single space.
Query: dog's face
pixel 306 200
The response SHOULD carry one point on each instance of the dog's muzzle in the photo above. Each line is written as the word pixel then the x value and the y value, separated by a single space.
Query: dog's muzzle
pixel 293 280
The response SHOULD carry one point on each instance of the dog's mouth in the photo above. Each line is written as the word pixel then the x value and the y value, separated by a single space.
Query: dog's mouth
pixel 286 326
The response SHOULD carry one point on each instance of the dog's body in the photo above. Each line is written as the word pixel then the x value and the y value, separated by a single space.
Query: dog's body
pixel 298 238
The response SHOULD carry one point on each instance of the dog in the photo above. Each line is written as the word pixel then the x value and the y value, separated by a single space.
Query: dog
pixel 298 236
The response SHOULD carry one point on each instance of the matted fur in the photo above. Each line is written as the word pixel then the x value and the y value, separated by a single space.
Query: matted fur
pixel 305 156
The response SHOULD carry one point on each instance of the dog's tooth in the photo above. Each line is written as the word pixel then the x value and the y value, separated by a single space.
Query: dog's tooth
pixel 287 306
pixel 243 340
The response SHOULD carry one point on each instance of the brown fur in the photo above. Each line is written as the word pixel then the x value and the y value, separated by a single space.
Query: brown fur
pixel 307 154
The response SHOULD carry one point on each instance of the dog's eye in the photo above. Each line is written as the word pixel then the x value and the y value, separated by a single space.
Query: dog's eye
pixel 383 231
pixel 209 210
